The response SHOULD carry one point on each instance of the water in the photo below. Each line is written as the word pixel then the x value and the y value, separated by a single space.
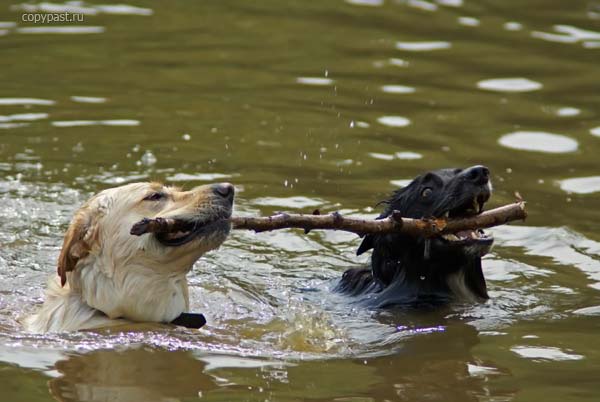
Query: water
pixel 306 105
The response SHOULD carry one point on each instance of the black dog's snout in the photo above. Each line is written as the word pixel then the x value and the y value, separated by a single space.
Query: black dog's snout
pixel 478 174
pixel 225 190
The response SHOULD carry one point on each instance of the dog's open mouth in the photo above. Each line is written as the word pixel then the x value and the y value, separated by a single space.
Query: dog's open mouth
pixel 187 231
pixel 468 237
pixel 471 207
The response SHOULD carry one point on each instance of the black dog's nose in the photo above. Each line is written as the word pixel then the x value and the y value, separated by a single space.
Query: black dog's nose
pixel 225 190
pixel 478 174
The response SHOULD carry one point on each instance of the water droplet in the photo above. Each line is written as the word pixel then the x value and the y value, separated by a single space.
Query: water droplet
pixel 78 147
pixel 148 159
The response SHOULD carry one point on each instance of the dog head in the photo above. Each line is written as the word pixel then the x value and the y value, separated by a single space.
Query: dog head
pixel 108 265
pixel 442 193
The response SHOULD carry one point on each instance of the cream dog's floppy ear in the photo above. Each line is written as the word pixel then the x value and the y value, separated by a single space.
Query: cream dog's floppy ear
pixel 79 239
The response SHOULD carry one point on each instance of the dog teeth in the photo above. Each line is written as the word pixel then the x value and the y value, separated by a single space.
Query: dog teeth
pixel 446 214
pixel 450 237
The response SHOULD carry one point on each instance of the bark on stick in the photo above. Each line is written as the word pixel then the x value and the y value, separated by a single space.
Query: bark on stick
pixel 393 223
pixel 334 221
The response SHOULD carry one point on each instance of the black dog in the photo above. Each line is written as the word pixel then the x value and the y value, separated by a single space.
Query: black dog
pixel 409 270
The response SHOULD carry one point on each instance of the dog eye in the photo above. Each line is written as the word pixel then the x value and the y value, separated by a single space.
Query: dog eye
pixel 426 192
pixel 154 197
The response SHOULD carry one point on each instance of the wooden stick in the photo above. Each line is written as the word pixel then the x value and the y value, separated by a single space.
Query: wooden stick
pixel 159 225
pixel 393 223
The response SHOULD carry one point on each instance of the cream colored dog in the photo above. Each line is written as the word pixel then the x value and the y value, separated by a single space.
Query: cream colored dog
pixel 107 276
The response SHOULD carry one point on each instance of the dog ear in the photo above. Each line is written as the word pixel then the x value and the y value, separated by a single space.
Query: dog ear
pixel 368 241
pixel 365 245
pixel 80 237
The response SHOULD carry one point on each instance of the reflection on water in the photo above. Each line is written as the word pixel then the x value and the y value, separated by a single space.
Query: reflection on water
pixel 549 353
pixel 568 111
pixel 70 29
pixel 581 185
pixel 330 105
pixel 539 141
pixel 509 85
pixel 314 80
pixel 569 34
pixel 422 46
pixel 25 101
pixel 24 117
pixel 394 121
pixel 78 123
pixel 88 99
pixel 397 89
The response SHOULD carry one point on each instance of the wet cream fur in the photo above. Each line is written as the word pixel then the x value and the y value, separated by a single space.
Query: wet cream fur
pixel 113 277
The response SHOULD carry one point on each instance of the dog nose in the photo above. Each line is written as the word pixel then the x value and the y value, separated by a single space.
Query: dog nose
pixel 478 174
pixel 225 190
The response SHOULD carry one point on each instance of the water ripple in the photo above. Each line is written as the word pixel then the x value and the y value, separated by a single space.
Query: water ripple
pixel 397 89
pixel 509 85
pixel 71 29
pixel 24 117
pixel 539 142
pixel 79 123
pixel 422 46
pixel 394 121
pixel 545 353
pixel 581 185
pixel 320 81
pixel 88 99
pixel 26 101
pixel 567 34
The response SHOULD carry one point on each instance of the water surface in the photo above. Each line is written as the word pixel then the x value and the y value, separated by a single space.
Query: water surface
pixel 306 105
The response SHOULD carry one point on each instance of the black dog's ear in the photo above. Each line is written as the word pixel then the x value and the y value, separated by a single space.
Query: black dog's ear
pixel 393 203
pixel 366 244
pixel 398 200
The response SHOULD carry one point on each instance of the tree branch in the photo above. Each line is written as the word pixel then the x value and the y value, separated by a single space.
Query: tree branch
pixel 335 221
pixel 394 223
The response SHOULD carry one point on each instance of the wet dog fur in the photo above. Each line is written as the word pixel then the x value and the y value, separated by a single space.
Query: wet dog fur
pixel 415 271
pixel 108 277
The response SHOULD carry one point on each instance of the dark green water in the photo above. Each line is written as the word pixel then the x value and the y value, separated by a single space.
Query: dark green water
pixel 303 105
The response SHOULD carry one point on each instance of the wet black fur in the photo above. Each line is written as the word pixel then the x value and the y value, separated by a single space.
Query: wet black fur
pixel 401 272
